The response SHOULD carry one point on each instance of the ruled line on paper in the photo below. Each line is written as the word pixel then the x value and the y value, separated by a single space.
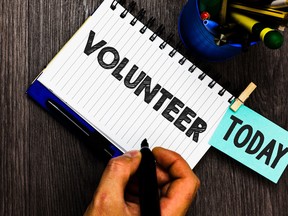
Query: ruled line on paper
pixel 159 112
pixel 89 77
pixel 190 105
pixel 89 88
pixel 108 98
pixel 75 52
pixel 119 84
pixel 79 45
pixel 84 71
pixel 207 131
pixel 198 146
pixel 120 107
pixel 113 108
pixel 203 116
pixel 128 119
pixel 179 133
pixel 170 87
pixel 77 70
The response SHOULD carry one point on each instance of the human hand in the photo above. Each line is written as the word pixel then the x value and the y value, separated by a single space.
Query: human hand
pixel 177 182
pixel 112 195
pixel 117 191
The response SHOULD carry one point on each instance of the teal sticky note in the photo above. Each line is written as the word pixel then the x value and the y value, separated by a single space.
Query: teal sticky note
pixel 254 141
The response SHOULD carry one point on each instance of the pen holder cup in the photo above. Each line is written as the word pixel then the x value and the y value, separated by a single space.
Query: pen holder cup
pixel 198 39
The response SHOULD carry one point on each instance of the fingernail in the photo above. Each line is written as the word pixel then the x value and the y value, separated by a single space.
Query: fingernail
pixel 132 154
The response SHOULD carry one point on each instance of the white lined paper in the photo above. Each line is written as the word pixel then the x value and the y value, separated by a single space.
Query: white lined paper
pixel 115 110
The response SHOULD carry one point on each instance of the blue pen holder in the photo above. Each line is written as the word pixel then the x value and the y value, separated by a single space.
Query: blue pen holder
pixel 198 39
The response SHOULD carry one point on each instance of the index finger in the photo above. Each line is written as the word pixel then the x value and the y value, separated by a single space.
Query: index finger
pixel 184 183
pixel 173 163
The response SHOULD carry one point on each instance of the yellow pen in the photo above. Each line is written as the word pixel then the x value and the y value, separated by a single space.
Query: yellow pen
pixel 272 38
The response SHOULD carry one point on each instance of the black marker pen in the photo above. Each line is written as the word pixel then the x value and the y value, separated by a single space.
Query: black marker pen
pixel 148 187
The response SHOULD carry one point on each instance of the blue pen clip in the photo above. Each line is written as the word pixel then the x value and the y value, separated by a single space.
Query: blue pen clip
pixel 211 26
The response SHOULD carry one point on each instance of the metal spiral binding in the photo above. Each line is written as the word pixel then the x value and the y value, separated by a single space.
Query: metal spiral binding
pixel 172 53
pixel 192 68
pixel 202 76
pixel 231 99
pixel 214 80
pixel 164 43
pixel 149 23
pixel 222 91
pixel 130 8
pixel 158 32
pixel 139 16
pixel 114 4
pixel 182 60
pixel 212 84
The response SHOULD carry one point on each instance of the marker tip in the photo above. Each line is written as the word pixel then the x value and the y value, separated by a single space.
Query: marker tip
pixel 144 144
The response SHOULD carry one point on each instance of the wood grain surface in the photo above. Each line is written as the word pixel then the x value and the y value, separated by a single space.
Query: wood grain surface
pixel 46 170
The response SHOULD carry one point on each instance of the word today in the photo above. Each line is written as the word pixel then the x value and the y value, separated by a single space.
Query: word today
pixel 254 141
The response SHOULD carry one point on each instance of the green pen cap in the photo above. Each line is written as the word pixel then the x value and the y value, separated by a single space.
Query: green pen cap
pixel 273 39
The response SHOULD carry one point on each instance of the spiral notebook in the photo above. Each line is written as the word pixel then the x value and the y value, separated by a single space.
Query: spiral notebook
pixel 126 82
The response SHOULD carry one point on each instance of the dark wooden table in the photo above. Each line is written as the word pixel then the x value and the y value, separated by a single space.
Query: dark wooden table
pixel 46 170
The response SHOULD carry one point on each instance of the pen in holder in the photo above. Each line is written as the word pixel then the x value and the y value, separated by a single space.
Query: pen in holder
pixel 201 42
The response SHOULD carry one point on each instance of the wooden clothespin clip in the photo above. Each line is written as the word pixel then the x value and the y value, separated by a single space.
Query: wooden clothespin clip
pixel 243 97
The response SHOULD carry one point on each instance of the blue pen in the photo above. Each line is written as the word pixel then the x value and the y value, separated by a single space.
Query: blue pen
pixel 211 26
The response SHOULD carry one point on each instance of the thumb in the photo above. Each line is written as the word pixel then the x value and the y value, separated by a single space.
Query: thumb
pixel 117 174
